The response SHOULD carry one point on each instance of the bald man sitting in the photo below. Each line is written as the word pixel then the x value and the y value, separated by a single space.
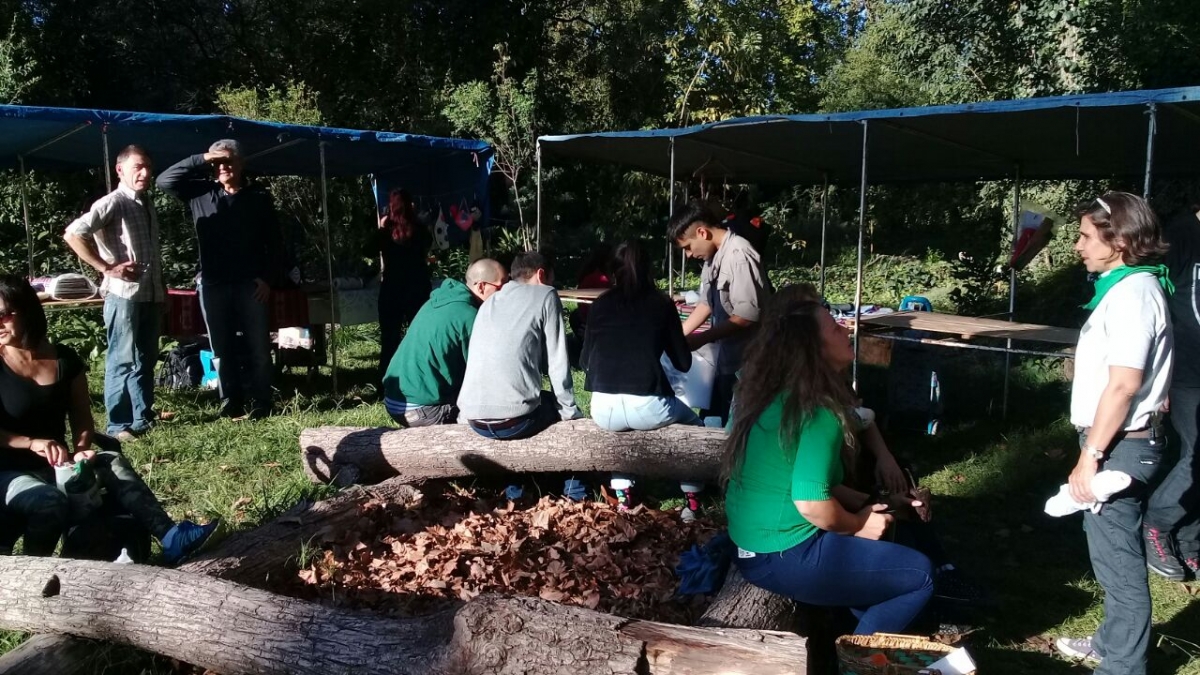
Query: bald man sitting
pixel 424 377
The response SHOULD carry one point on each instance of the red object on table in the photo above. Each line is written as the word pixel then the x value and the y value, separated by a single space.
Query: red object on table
pixel 184 318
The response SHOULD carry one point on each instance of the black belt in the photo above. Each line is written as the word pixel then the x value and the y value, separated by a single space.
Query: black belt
pixel 1151 432
pixel 498 425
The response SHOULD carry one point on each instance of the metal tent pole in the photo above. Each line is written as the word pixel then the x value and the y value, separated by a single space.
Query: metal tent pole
pixel 538 155
pixel 671 214
pixel 1012 290
pixel 25 211
pixel 333 301
pixel 108 169
pixel 862 222
pixel 824 224
pixel 1151 132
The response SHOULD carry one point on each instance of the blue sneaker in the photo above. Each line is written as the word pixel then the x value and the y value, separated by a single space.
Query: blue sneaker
pixel 185 539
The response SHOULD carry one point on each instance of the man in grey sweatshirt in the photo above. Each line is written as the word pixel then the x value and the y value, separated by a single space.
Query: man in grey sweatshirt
pixel 517 330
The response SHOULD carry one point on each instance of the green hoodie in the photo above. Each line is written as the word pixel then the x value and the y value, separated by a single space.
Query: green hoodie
pixel 429 365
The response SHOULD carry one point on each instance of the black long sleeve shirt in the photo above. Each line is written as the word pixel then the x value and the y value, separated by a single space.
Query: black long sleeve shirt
pixel 237 234
pixel 625 340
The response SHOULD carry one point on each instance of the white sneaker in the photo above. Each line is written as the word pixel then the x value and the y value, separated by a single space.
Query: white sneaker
pixel 1079 649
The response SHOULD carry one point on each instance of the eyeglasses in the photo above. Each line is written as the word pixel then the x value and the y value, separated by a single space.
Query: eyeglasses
pixel 7 314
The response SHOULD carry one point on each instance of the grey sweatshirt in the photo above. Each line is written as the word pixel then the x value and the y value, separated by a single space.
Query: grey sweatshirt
pixel 516 330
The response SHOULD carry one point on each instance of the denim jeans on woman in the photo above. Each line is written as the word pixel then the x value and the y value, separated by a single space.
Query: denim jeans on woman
pixel 132 329
pixel 885 585
pixel 33 497
pixel 626 412
pixel 1114 537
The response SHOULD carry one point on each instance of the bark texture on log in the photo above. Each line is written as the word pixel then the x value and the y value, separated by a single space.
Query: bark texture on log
pixel 250 557
pixel 51 655
pixel 234 629
pixel 348 455
pixel 741 604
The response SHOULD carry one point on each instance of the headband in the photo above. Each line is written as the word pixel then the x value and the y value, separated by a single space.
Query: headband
pixel 1104 205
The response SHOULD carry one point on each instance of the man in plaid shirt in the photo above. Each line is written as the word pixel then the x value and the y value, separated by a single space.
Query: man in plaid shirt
pixel 118 236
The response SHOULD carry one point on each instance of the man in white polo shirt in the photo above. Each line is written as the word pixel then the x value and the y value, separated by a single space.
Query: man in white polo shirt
pixel 1122 374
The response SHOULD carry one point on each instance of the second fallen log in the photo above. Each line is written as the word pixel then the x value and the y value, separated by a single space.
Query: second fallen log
pixel 348 455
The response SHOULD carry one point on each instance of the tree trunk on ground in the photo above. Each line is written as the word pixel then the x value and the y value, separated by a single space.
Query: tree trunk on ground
pixel 50 655
pixel 250 557
pixel 348 455
pixel 741 604
pixel 235 629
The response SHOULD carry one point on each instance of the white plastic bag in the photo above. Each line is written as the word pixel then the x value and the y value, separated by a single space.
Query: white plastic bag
pixel 695 386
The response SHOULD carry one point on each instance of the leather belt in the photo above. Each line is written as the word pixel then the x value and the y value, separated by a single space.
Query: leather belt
pixel 1145 432
pixel 498 425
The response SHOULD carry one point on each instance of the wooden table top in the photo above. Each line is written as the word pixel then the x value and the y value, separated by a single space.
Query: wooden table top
pixel 970 327
pixel 588 295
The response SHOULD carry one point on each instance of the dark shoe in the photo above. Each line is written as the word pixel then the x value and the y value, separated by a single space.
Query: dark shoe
pixel 232 409
pixel 953 586
pixel 1161 555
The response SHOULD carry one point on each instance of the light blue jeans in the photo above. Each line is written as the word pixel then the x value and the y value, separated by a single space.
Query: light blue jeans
pixel 132 329
pixel 626 412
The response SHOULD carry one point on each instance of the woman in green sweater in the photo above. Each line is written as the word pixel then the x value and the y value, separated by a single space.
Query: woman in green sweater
pixel 800 532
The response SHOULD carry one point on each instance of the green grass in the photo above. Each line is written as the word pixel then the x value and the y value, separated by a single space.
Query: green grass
pixel 990 477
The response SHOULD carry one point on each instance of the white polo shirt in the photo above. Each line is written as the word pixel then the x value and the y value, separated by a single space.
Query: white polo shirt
pixel 1131 327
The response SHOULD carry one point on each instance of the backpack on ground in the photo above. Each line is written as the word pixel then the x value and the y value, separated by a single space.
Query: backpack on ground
pixel 181 367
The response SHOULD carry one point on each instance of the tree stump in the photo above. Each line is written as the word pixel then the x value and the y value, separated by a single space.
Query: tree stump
pixel 348 455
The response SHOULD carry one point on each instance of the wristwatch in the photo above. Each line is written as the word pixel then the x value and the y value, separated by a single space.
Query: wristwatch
pixel 1093 452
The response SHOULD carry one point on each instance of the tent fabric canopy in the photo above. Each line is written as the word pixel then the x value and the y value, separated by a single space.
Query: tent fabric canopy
pixel 1085 136
pixel 66 138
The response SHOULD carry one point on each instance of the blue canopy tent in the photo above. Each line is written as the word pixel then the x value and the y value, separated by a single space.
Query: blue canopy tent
pixel 1091 136
pixel 69 138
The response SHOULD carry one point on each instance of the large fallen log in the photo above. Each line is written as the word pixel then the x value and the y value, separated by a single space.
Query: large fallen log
pixel 234 629
pixel 251 557
pixel 349 455
pixel 51 655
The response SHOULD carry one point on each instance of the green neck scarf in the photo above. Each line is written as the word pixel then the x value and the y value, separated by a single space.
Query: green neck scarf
pixel 1111 278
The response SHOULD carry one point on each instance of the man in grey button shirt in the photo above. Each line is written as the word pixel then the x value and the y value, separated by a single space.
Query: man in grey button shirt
pixel 118 237
pixel 734 286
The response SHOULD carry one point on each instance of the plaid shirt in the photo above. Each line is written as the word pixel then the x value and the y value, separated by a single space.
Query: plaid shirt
pixel 125 228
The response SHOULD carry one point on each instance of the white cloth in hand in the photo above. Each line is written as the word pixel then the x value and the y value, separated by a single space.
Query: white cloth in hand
pixel 1105 484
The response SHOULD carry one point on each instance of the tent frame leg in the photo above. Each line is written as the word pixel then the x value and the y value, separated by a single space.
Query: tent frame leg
pixel 824 226
pixel 25 212
pixel 1012 290
pixel 671 214
pixel 333 298
pixel 862 222
pixel 538 219
pixel 1151 132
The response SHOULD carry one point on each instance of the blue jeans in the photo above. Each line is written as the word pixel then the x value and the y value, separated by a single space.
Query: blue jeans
pixel 1115 546
pixel 886 585
pixel 626 412
pixel 244 369
pixel 32 498
pixel 520 427
pixel 132 329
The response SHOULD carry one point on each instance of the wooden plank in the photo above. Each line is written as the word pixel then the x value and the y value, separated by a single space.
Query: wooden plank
pixel 589 295
pixel 970 327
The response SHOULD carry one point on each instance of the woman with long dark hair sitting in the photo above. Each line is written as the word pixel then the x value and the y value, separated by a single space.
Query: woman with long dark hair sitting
pixel 42 385
pixel 800 531
pixel 629 328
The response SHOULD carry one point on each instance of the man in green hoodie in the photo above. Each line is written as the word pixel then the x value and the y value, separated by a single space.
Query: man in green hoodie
pixel 423 379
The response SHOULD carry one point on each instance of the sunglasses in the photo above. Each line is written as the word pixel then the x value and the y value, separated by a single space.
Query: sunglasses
pixel 6 314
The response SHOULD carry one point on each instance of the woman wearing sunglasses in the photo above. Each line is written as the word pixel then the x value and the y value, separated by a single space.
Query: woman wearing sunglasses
pixel 42 385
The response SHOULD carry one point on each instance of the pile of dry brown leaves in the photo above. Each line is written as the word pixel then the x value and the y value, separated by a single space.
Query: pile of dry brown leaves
pixel 416 558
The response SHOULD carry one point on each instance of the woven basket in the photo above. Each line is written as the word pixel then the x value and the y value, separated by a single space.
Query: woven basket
pixel 887 654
